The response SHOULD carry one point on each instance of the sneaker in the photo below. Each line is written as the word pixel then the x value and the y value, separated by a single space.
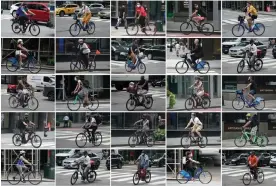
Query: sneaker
pixel 116 27
pixel 250 30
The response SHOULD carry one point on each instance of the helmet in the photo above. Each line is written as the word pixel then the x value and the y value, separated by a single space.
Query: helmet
pixel 252 152
pixel 20 41
pixel 138 5
pixel 144 116
pixel 22 152
pixel 85 153
pixel 26 114
pixel 80 41
pixel 248 115
pixel 77 78
pixel 251 41
pixel 249 2
pixel 143 152
pixel 131 83
pixel 193 114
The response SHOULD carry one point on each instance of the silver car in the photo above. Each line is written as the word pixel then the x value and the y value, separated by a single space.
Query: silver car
pixel 236 50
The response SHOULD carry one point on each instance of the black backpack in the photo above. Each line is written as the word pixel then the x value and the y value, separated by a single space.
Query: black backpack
pixel 86 84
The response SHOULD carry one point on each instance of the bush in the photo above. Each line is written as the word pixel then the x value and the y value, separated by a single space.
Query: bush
pixel 160 135
pixel 172 99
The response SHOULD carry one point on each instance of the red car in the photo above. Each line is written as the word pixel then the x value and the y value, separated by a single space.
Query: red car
pixel 41 11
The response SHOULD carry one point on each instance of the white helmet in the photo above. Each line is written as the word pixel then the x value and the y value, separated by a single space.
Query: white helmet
pixel 22 152
pixel 196 41
pixel 131 84
pixel 20 41
pixel 80 40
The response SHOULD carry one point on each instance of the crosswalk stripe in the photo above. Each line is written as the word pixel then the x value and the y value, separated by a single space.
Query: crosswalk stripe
pixel 238 174
pixel 130 177
pixel 121 175
pixel 158 182
pixel 270 176
pixel 230 172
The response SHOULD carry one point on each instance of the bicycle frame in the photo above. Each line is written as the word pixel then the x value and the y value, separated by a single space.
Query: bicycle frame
pixel 244 99
pixel 248 135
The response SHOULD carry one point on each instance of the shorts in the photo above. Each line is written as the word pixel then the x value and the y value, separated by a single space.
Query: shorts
pixel 252 92
pixel 82 92
pixel 197 128
pixel 200 18
pixel 253 131
pixel 200 93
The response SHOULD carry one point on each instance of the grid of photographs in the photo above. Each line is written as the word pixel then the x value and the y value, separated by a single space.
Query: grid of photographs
pixel 150 92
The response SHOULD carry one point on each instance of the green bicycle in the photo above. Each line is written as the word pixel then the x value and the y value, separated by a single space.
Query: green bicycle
pixel 74 103
pixel 260 139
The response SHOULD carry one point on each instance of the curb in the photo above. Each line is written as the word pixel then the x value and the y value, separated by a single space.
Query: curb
pixel 64 71
pixel 193 109
pixel 178 31
pixel 100 102
pixel 42 67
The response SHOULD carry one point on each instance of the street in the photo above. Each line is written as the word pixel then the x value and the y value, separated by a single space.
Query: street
pixel 269 106
pixel 122 142
pixel 119 99
pixel 229 144
pixel 43 183
pixel 124 176
pixel 64 23
pixel 172 60
pixel 195 183
pixel 180 105
pixel 230 18
pixel 232 175
pixel 4 70
pixel 6 31
pixel 63 176
pixel 200 35
pixel 102 67
pixel 213 142
pixel 121 31
pixel 65 137
pixel 104 105
pixel 152 67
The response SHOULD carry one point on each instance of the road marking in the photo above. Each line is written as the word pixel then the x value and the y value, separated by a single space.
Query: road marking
pixel 227 172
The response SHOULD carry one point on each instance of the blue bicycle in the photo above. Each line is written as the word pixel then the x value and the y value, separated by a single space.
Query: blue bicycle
pixel 203 176
pixel 76 27
pixel 258 28
pixel 129 66
pixel 239 101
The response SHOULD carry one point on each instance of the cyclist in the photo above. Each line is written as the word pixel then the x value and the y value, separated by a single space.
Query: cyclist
pixel 197 125
pixel 87 16
pixel 122 16
pixel 141 15
pixel 23 124
pixel 199 15
pixel 21 166
pixel 86 164
pixel 82 91
pixel 145 125
pixel 144 88
pixel 143 161
pixel 177 48
pixel 92 123
pixel 21 90
pixel 252 15
pixel 134 51
pixel 189 164
pixel 253 164
pixel 252 85
pixel 84 52
pixel 253 121
pixel 252 53
pixel 19 52
pixel 196 53
pixel 198 86
pixel 22 12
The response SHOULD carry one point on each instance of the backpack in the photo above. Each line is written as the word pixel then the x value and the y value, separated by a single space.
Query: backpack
pixel 86 83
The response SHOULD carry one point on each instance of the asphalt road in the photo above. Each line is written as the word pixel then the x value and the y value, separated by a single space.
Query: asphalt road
pixel 65 137
pixel 122 32
pixel 152 67
pixel 213 142
pixel 47 183
pixel 230 18
pixel 269 106
pixel 179 34
pixel 193 183
pixel 4 70
pixel 122 142
pixel 63 176
pixel 124 176
pixel 6 30
pixel 102 107
pixel 63 24
pixel 232 175
pixel 102 67
pixel 229 144
pixel 119 99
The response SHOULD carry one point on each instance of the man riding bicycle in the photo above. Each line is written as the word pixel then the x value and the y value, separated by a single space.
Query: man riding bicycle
pixel 141 15
pixel 19 52
pixel 22 12
pixel 144 88
pixel 144 124
pixel 253 121
pixel 22 89
pixel 252 14
pixel 197 125
pixel 198 86
pixel 253 87
pixel 86 164
pixel 196 53
pixel 84 52
pixel 91 123
pixel 189 164
pixel 253 164
pixel 23 125
pixel 252 53
pixel 143 161
pixel 21 166
pixel 87 16
pixel 199 15
pixel 82 91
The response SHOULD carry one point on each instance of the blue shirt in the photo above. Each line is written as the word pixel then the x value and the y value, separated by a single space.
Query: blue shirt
pixel 20 11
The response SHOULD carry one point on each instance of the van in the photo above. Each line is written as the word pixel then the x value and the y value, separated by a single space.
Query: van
pixel 39 82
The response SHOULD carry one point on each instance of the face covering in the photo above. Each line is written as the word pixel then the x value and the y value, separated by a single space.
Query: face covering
pixel 138 6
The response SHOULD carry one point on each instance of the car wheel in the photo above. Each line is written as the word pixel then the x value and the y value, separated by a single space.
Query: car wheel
pixel 116 57
pixel 61 14
pixel 225 52
pixel 274 56
pixel 14 13
pixel 119 166
pixel 69 14
pixel 51 96
pixel 149 56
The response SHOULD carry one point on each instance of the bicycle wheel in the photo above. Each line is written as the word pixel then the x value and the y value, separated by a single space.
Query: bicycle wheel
pixel 148 177
pixel 240 141
pixel 11 66
pixel 206 102
pixel 189 104
pixel 128 67
pixel 141 68
pixel 17 139
pixel 34 66
pixel 13 178
pixel 92 66
pixel 260 178
pixel 181 65
pixel 74 29
pixel 34 29
pixel 258 65
pixel 207 29
pixel 205 177
pixel 91 176
pixel 91 28
pixel 136 179
pixel 185 141
pixel 150 29
pixel 150 140
pixel 148 102
pixel 73 104
pixel 16 27
pixel 260 106
pixel 32 103
pixel 94 103
pixel 36 141
pixel 74 178
pixel 35 178
pixel 262 141
pixel 186 28
pixel 98 139
pixel 13 101
pixel 238 30
pixel 130 104
pixel 203 142
pixel 81 140
pixel 238 103
pixel 259 29
pixel 241 66
pixel 132 29
pixel 132 140
pixel 205 69
pixel 181 179
pixel 246 179
pixel 75 65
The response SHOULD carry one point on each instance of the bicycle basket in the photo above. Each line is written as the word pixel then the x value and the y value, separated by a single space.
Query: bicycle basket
pixel 239 92
pixel 241 18
pixel 185 174
pixel 258 100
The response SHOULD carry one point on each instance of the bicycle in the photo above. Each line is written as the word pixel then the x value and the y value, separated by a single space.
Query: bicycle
pixel 259 140
pixel 141 174
pixel 190 140
pixel 32 136
pixel 149 29
pixel 186 63
pixel 194 101
pixel 86 135
pixel 78 26
pixel 33 65
pixel 79 65
pixel 249 176
pixel 77 101
pixel 141 137
pixel 29 100
pixel 187 27
pixel 34 177
pixel 183 176
pixel 241 26
pixel 242 100
pixel 16 27
pixel 91 175
pixel 134 100
pixel 257 64
pixel 129 66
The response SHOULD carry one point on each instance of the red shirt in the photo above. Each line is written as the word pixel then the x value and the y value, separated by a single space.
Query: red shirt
pixel 141 10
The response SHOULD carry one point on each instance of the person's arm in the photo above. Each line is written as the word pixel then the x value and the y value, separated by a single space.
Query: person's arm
pixel 248 86
pixel 192 85
pixel 25 123
pixel 32 123
pixel 199 85
pixel 254 49
pixel 137 122
pixel 248 123
pixel 23 10
pixel 25 161
pixel 194 161
pixel 29 11
pixel 78 86
pixel 144 83
pixel 195 12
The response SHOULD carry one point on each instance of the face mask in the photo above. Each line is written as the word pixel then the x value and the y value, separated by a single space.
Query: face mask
pixel 138 6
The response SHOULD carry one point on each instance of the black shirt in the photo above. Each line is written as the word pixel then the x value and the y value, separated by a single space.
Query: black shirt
pixel 142 82
pixel 198 51
pixel 201 12
pixel 121 11
pixel 254 121
pixel 253 85
pixel 21 124
pixel 134 48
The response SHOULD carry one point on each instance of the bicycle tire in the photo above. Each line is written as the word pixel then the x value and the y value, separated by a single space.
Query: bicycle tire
pixel 187 138
pixel 75 177
pixel 187 25
pixel 178 175
pixel 143 67
pixel 75 65
pixel 76 26
pixel 39 69
pixel 260 25
pixel 258 177
pixel 127 67
pixel 76 140
pixel 14 138
pixel 32 26
pixel 129 140
pixel 131 101
pixel 148 173
pixel 200 144
pixel 208 67
pixel 240 101
pixel 34 100
pixel 241 65
pixel 238 138
pixel 93 174
pixel 16 24
pixel 238 27
pixel 92 66
pixel 209 32
pixel 149 105
pixel 133 25
pixel 78 107
pixel 255 106
pixel 134 176
pixel 101 138
pixel 33 183
pixel 261 65
pixel 189 101
pixel 152 27
pixel 205 103
pixel 32 142
pixel 13 98
pixel 151 138
pixel 262 137
pixel 9 63
pixel 201 174
pixel 10 181
pixel 183 63
pixel 92 28
pixel 243 178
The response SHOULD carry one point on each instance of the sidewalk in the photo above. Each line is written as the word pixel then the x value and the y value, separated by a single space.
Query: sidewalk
pixel 175 26
pixel 100 66
pixel 43 67
pixel 123 141
pixel 103 101
pixel 212 140
pixel 121 31
pixel 78 126
pixel 272 13
pixel 180 104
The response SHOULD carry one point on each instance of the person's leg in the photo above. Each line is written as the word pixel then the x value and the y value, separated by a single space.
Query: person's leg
pixel 94 129
pixel 84 21
pixel 22 132
pixel 249 20
pixel 118 22
pixel 193 131
pixel 193 61
pixel 86 171
pixel 20 171
pixel 144 92
pixel 253 133
pixel 199 95
pixel 198 129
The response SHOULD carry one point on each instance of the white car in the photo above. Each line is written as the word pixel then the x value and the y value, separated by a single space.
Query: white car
pixel 272 163
pixel 13 9
pixel 273 156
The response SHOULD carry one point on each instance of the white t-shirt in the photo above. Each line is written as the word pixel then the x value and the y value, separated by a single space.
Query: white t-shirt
pixel 252 49
pixel 195 121
pixel 85 48
pixel 177 46
pixel 66 118
pixel 86 9
pixel 86 160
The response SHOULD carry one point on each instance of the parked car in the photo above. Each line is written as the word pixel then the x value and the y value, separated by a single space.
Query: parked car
pixel 274 51
pixel 231 42
pixel 66 9
pixel 160 83
pixel 69 163
pixel 95 8
pixel 49 92
pixel 264 159
pixel 273 155
pixel 142 48
pixel 272 162
pixel 158 160
pixel 237 159
pixel 116 161
pixel 118 53
pixel 105 13
pixel 64 154
pixel 123 44
pixel 236 51
pixel 156 52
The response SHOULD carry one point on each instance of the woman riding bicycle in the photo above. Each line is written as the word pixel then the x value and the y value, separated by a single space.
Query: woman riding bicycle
pixel 252 14
pixel 144 123
pixel 21 166
pixel 199 15
pixel 197 125
pixel 198 86
pixel 189 165
pixel 134 51
pixel 22 89
pixel 84 52
pixel 87 16
pixel 19 52
pixel 82 91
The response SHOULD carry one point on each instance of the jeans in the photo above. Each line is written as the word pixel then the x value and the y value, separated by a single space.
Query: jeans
pixel 23 20
pixel 85 59
pixel 119 21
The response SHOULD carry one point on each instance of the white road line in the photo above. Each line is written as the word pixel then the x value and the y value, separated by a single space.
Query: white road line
pixel 230 172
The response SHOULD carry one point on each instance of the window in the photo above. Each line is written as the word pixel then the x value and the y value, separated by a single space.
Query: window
pixel 40 7
pixel 32 6
pixel 46 79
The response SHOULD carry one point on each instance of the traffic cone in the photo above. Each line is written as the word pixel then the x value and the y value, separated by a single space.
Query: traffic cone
pixel 98 52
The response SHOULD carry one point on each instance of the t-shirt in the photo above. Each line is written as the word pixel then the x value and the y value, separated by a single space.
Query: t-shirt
pixel 86 9
pixel 141 10
pixel 144 160
pixel 20 10
pixel 85 160
pixel 122 10
pixel 195 121
pixel 252 10
pixel 177 46
pixel 252 160
pixel 21 124
pixel 20 161
pixel 252 48
pixel 201 12
pixel 85 49
pixel 253 85
pixel 142 82
pixel 253 121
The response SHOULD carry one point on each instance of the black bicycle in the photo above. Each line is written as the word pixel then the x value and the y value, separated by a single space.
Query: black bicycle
pixel 257 65
pixel 189 140
pixel 141 137
pixel 136 100
pixel 91 175
pixel 33 27
pixel 149 29
pixel 35 139
pixel 29 100
pixel 78 64
pixel 193 101
pixel 187 27
pixel 82 138
pixel 33 176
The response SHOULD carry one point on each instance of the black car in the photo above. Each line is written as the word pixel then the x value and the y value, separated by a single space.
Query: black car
pixel 274 51
pixel 156 52
pixel 116 161
pixel 237 159
pixel 123 44
pixel 264 159
pixel 118 53
pixel 144 47
pixel 159 83
pixel 158 160
pixel 49 92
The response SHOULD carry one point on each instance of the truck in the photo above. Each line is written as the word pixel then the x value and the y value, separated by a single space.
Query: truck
pixel 121 82
pixel 39 82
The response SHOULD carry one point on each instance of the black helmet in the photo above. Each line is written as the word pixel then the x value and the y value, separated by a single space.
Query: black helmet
pixel 26 115
pixel 251 41
pixel 252 152
pixel 85 153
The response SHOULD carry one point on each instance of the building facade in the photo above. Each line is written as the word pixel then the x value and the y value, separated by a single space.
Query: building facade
pixel 238 5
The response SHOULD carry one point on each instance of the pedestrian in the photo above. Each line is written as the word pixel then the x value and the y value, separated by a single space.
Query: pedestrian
pixel 66 121
pixel 177 48
pixel 122 17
